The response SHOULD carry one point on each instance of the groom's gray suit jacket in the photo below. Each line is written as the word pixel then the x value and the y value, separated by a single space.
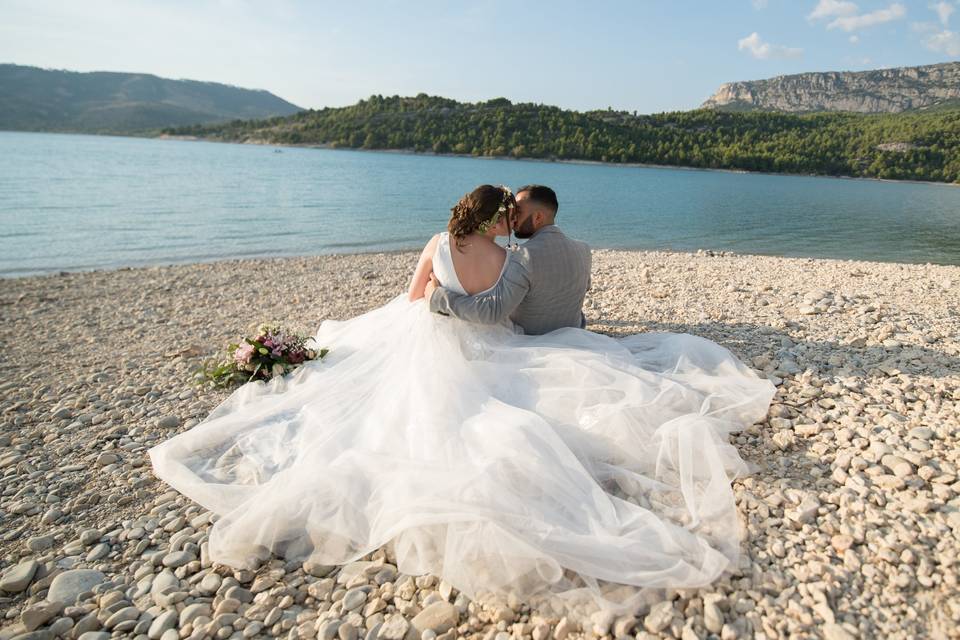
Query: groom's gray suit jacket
pixel 542 288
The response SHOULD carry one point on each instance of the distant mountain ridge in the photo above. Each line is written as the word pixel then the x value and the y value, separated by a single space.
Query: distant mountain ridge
pixel 877 91
pixel 35 99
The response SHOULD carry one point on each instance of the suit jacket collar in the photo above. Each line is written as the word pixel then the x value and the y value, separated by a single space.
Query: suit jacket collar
pixel 550 228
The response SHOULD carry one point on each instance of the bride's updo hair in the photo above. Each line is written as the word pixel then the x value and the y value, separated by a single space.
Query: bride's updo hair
pixel 477 208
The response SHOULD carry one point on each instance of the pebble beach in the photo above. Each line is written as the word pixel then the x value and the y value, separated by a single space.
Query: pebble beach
pixel 851 517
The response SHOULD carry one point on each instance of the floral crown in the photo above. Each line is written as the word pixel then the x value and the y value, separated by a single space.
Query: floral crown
pixel 502 209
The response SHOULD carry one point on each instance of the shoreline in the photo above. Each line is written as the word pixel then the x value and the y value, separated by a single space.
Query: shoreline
pixel 850 514
pixel 637 165
pixel 53 273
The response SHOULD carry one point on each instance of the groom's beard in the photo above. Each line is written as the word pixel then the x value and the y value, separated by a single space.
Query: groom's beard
pixel 525 230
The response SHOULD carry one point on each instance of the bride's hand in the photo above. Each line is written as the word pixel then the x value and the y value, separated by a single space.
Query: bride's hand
pixel 432 286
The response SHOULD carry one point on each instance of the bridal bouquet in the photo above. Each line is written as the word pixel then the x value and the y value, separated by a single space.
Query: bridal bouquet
pixel 273 352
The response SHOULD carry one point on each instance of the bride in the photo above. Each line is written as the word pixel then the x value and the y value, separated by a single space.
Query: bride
pixel 569 470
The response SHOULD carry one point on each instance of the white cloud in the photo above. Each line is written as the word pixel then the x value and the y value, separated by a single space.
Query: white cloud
pixel 945 41
pixel 936 37
pixel 854 39
pixel 845 15
pixel 943 11
pixel 853 22
pixel 759 4
pixel 761 50
pixel 833 8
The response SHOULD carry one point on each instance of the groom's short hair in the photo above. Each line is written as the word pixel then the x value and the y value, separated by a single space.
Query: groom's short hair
pixel 544 196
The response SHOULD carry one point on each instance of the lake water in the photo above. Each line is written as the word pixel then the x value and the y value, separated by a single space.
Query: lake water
pixel 72 202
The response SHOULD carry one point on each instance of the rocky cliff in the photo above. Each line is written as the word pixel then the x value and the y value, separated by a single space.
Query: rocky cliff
pixel 878 91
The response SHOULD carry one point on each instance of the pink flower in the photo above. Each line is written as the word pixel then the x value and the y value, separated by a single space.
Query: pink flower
pixel 243 353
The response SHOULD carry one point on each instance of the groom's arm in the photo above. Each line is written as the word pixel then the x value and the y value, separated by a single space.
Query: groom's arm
pixel 489 308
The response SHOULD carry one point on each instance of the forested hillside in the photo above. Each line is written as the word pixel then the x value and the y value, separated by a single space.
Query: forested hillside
pixel 913 145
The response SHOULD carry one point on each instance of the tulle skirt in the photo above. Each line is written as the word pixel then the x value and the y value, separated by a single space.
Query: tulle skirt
pixel 570 470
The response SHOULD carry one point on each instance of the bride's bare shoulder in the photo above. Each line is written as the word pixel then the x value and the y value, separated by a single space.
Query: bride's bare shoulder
pixel 431 247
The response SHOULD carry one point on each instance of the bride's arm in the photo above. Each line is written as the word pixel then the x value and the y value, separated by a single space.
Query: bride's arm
pixel 421 274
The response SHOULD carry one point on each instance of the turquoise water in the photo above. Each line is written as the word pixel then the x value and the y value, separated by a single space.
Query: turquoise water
pixel 72 202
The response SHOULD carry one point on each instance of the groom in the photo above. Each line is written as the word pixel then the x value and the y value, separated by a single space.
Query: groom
pixel 545 279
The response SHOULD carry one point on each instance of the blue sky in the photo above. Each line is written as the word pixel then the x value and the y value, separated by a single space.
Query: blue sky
pixel 643 55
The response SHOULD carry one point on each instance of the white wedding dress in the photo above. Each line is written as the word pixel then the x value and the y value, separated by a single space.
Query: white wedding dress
pixel 570 470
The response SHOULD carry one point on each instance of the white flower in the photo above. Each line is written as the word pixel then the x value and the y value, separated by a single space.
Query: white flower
pixel 277 369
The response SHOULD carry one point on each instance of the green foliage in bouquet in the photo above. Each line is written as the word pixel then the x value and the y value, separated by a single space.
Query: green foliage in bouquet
pixel 273 352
